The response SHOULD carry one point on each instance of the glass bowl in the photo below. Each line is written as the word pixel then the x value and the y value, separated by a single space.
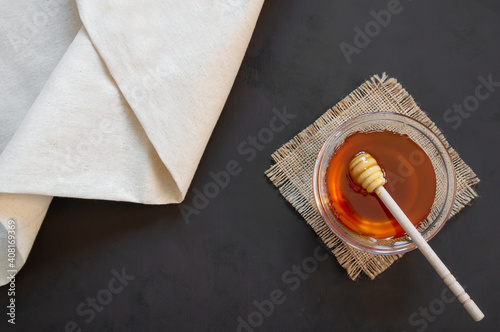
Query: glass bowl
pixel 435 150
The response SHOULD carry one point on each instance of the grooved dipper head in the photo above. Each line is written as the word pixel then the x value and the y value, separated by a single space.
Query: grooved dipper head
pixel 366 172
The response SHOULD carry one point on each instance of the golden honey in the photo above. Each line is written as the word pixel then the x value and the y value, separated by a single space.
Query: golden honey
pixel 410 176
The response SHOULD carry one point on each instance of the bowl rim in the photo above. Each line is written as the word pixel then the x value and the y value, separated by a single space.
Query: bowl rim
pixel 341 234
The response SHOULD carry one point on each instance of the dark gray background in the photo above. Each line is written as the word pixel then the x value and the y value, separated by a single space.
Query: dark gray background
pixel 202 276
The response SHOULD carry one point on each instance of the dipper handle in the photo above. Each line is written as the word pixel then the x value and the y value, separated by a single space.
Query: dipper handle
pixel 365 170
pixel 431 256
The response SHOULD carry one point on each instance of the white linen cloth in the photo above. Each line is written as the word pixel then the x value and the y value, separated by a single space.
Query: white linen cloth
pixel 126 113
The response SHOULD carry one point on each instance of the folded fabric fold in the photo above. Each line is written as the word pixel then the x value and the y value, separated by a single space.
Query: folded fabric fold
pixel 175 63
pixel 81 139
pixel 129 109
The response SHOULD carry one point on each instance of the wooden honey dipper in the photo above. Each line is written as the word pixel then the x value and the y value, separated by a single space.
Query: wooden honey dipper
pixel 365 170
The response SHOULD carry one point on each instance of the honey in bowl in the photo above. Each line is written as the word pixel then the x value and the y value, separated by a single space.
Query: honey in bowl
pixel 410 176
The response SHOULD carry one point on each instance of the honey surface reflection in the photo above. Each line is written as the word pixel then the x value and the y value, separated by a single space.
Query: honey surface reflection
pixel 411 181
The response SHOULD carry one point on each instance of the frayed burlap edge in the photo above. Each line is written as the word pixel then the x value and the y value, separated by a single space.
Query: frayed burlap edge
pixel 359 263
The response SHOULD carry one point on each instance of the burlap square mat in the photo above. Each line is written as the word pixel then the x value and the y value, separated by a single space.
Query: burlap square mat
pixel 292 172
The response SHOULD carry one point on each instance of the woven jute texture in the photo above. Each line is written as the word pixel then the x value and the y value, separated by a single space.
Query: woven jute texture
pixel 292 172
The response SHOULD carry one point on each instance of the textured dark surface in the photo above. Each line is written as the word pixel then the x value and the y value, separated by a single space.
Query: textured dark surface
pixel 203 275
